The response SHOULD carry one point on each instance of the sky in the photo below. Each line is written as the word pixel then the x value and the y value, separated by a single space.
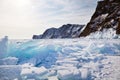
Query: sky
pixel 21 19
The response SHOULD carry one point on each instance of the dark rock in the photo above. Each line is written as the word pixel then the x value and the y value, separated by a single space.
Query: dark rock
pixel 107 15
pixel 65 31
pixel 36 36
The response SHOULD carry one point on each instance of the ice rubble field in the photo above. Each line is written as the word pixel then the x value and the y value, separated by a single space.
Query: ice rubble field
pixel 61 59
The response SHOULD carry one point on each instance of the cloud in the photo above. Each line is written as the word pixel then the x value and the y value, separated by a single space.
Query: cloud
pixel 23 18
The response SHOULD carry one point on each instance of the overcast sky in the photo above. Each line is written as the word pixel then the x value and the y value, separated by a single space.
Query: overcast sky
pixel 20 19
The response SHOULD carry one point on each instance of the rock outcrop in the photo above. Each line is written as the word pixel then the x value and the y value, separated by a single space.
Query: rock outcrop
pixel 106 16
pixel 65 31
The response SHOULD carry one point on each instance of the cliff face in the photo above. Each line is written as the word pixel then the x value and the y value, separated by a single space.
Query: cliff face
pixel 65 31
pixel 106 16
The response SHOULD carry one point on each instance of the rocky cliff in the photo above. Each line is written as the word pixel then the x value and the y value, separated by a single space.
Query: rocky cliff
pixel 65 31
pixel 106 16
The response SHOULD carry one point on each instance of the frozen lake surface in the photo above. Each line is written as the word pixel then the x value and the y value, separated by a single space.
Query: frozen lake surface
pixel 60 59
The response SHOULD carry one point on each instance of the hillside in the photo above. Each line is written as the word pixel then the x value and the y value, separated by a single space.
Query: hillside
pixel 105 20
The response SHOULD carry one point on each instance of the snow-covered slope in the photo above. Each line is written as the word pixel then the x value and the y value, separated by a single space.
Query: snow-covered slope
pixel 64 59
pixel 105 34
pixel 65 31
pixel 105 19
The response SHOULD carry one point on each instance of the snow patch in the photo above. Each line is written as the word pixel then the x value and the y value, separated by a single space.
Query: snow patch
pixel 9 61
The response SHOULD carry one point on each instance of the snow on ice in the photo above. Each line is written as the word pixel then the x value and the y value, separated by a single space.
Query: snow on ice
pixel 60 59
pixel 3 47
